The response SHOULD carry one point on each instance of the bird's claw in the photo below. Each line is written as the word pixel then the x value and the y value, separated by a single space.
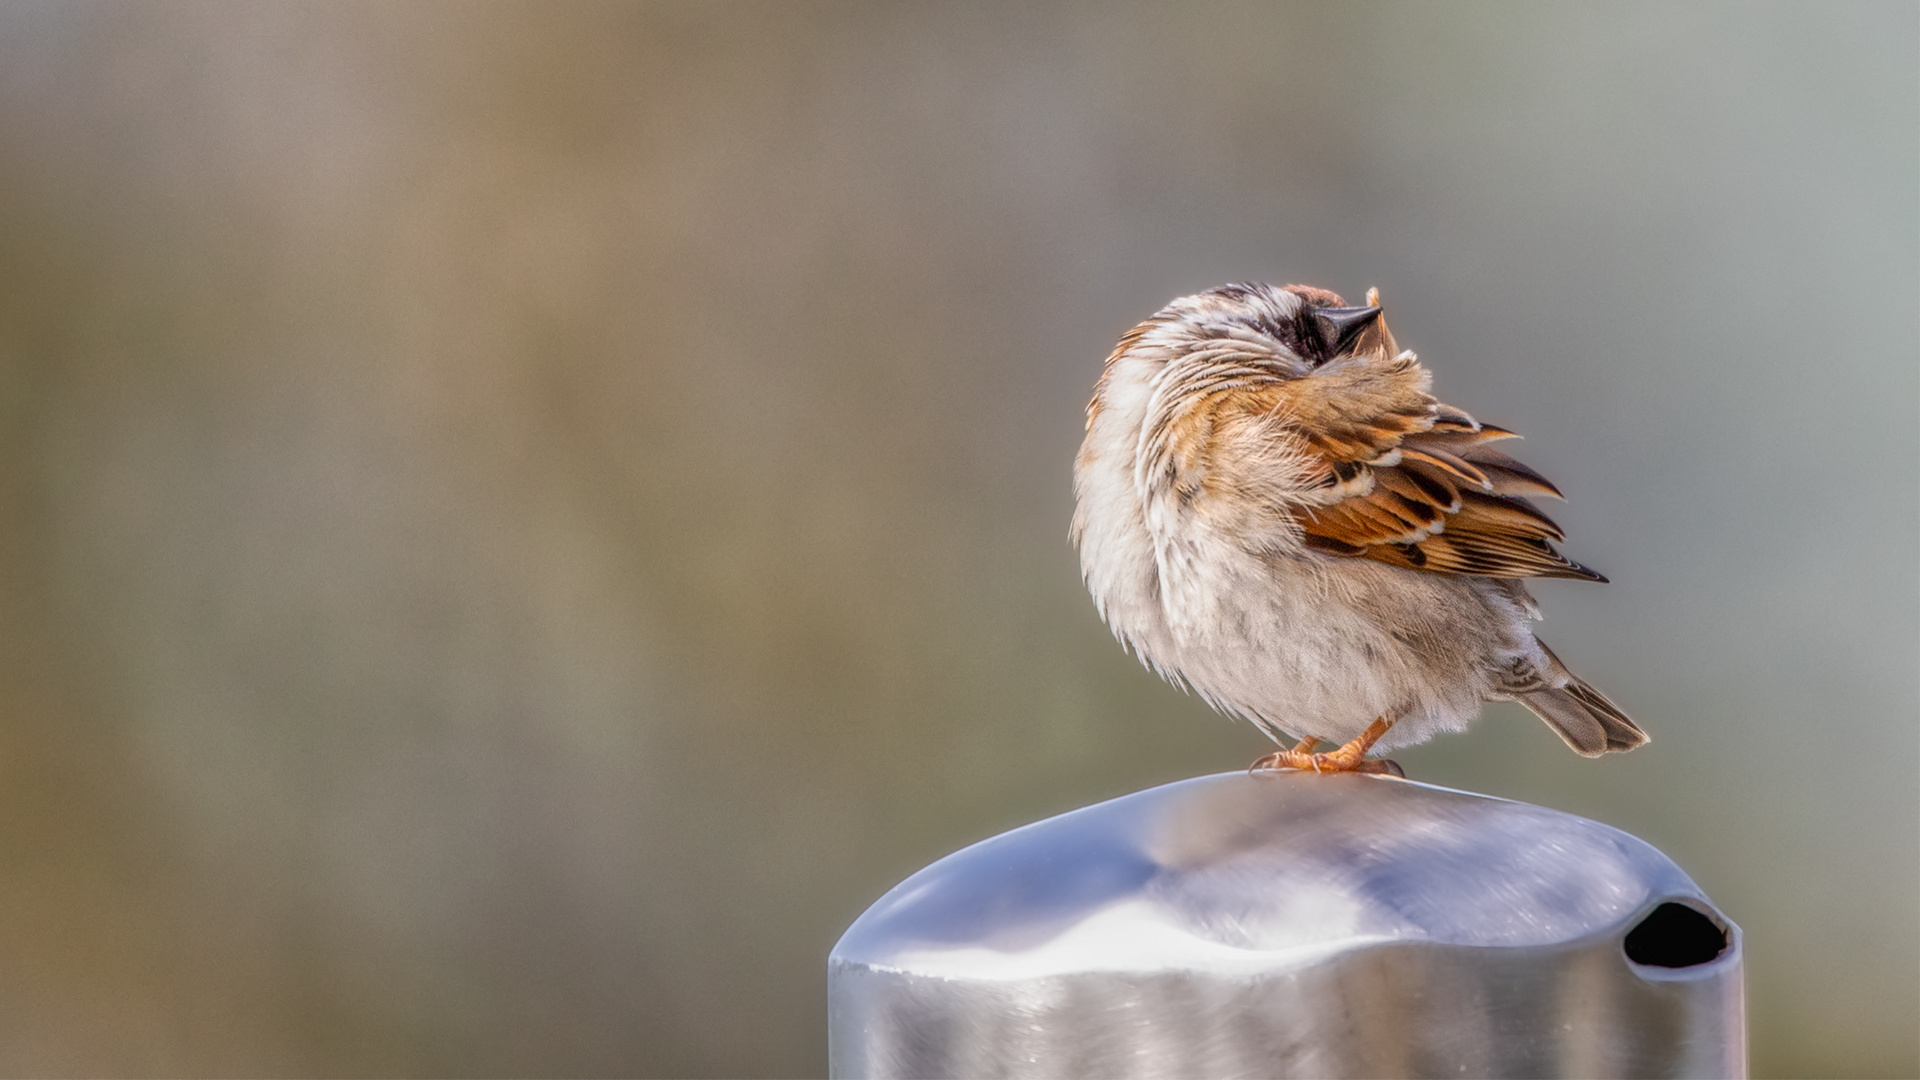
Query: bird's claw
pixel 1326 763
pixel 1349 758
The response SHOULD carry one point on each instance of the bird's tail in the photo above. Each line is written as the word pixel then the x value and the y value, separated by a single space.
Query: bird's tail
pixel 1584 717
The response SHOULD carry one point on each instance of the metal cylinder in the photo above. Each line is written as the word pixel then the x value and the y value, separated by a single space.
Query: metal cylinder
pixel 1293 925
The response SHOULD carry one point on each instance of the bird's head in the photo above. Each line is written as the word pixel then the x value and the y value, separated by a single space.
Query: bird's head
pixel 1285 331
pixel 1237 337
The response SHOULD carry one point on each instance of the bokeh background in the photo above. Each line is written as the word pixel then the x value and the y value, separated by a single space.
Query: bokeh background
pixel 518 521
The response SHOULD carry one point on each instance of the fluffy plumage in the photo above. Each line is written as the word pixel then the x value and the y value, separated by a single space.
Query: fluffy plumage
pixel 1273 510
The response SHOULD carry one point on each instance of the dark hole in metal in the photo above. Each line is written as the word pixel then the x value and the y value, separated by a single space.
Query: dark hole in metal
pixel 1675 936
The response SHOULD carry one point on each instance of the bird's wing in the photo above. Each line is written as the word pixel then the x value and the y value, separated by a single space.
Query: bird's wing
pixel 1405 480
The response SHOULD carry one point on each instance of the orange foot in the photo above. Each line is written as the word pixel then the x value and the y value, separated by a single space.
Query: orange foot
pixel 1349 758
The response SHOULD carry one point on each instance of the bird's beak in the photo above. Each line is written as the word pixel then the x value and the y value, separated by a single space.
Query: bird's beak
pixel 1344 325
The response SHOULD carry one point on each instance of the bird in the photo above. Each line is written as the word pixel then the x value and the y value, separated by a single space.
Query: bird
pixel 1273 511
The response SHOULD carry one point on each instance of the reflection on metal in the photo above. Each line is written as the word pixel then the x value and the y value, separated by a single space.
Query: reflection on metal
pixel 1293 925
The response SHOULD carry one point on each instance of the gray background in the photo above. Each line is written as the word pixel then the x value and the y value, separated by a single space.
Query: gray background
pixel 518 522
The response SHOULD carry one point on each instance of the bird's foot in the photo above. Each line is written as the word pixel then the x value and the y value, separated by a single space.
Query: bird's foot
pixel 1351 757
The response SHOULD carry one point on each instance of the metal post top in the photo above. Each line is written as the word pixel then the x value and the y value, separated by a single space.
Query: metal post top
pixel 1245 874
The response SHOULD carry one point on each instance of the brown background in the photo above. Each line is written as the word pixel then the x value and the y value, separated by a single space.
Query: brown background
pixel 518 522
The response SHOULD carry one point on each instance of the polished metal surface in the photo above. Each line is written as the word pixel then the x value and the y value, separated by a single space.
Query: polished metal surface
pixel 1292 925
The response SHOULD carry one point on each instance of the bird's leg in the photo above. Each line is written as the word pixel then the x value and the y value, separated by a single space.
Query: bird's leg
pixel 1349 758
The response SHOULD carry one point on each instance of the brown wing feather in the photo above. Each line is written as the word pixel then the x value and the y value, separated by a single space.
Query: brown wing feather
pixel 1438 494
pixel 1357 412
pixel 1449 504
pixel 1413 482
pixel 1520 480
pixel 1431 455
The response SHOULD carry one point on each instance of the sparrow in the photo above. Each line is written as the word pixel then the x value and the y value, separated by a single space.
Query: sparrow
pixel 1273 511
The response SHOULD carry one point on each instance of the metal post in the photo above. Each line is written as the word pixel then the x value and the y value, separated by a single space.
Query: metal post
pixel 1293 925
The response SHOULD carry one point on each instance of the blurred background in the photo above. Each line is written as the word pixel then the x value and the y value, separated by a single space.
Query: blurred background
pixel 517 522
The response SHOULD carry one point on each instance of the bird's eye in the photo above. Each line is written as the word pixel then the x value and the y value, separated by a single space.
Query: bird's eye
pixel 1302 336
